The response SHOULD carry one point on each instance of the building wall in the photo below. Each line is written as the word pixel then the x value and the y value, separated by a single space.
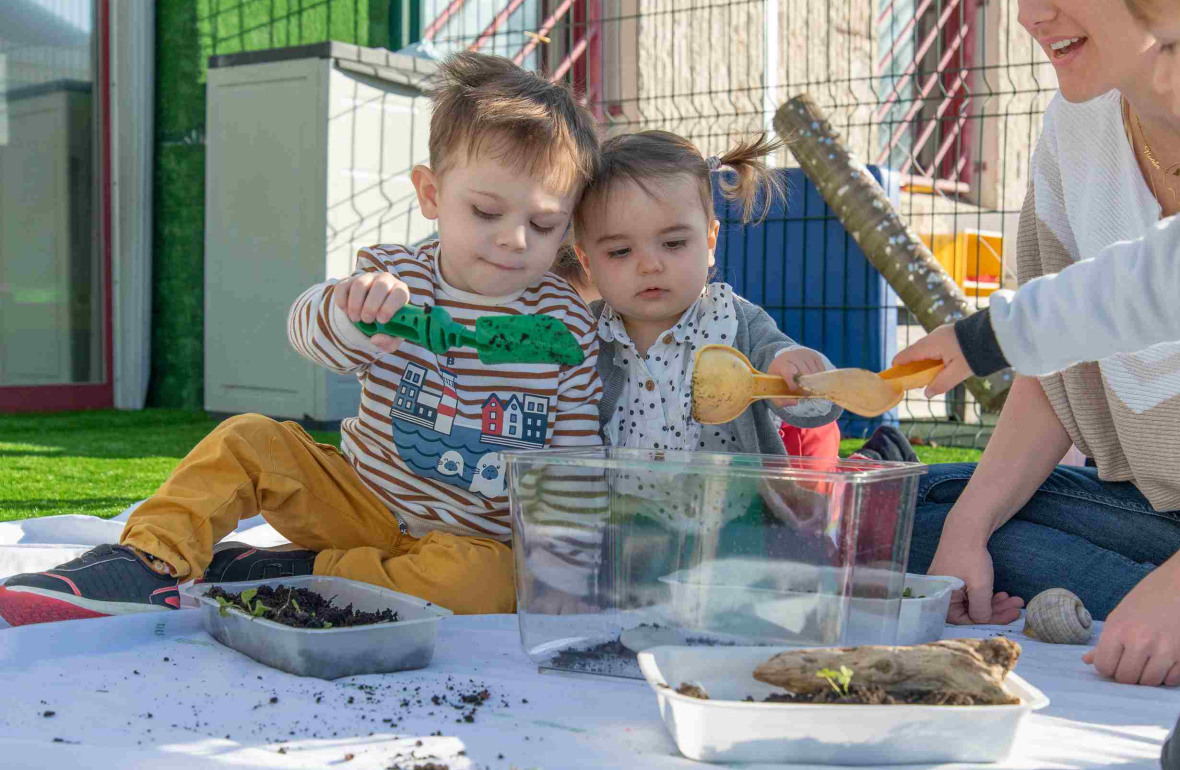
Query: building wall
pixel 188 32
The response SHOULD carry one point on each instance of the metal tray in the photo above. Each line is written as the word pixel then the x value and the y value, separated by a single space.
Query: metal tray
pixel 328 654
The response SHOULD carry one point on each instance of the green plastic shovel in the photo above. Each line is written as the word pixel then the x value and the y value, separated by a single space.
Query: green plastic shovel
pixel 502 339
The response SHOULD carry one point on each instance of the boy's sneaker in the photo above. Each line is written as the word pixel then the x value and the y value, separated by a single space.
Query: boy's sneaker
pixel 888 443
pixel 106 580
pixel 233 562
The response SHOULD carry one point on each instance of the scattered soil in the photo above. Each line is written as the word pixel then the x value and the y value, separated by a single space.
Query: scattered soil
pixel 297 607
pixel 608 658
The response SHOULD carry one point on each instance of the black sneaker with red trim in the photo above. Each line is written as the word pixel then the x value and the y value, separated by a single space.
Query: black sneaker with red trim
pixel 233 562
pixel 106 580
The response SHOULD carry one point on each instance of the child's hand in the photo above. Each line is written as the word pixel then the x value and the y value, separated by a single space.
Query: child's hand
pixel 372 297
pixel 794 362
pixel 939 345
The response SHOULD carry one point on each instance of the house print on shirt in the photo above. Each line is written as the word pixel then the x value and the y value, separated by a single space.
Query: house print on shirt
pixel 517 422
pixel 420 404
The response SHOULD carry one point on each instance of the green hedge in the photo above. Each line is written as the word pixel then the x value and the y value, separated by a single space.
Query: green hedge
pixel 187 34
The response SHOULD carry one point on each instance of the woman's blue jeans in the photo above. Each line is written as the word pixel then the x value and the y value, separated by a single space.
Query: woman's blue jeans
pixel 1094 537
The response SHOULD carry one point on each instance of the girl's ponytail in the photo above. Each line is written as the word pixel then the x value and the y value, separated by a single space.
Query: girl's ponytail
pixel 754 178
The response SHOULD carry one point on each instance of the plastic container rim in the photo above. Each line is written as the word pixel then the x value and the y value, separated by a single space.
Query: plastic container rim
pixel 779 466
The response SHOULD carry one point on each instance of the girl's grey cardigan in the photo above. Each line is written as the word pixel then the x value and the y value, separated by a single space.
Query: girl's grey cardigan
pixel 759 338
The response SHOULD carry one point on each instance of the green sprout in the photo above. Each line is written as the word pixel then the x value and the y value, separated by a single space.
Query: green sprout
pixel 839 680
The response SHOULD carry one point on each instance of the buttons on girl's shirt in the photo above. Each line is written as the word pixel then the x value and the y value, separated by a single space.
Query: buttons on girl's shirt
pixel 668 339
pixel 650 385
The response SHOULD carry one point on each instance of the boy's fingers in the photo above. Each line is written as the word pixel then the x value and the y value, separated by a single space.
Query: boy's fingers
pixel 398 297
pixel 378 291
pixel 385 342
pixel 357 291
pixel 340 294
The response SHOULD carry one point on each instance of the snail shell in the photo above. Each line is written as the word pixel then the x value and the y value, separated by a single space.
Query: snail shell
pixel 1057 616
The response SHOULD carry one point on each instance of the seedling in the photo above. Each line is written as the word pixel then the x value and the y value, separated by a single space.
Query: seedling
pixel 839 680
pixel 908 593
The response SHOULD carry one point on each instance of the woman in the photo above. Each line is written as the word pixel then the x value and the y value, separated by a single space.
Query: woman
pixel 1017 523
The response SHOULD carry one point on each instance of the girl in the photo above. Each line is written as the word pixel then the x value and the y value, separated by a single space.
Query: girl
pixel 645 233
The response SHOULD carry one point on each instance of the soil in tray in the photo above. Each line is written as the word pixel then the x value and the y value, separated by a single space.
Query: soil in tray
pixel 296 607
pixel 857 696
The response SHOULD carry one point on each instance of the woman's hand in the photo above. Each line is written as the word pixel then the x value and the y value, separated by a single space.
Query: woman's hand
pixel 975 603
pixel 1140 643
pixel 942 344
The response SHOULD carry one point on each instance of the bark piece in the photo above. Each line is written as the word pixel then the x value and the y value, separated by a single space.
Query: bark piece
pixel 864 209
pixel 972 667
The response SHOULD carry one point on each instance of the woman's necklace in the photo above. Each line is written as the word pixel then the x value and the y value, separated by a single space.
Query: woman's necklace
pixel 1169 171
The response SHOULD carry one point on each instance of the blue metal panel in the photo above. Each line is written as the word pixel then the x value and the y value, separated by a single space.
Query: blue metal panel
pixel 811 277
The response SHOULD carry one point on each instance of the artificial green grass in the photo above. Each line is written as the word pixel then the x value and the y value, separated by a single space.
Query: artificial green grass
pixel 930 455
pixel 98 463
pixel 95 463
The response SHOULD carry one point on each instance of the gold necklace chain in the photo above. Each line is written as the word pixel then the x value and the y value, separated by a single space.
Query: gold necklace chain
pixel 1170 171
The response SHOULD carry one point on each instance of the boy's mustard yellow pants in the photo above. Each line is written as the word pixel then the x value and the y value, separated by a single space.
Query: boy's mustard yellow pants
pixel 309 492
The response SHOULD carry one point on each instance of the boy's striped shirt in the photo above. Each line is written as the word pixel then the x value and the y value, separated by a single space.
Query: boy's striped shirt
pixel 430 428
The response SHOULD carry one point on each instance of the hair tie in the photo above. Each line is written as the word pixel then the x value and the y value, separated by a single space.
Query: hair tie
pixel 713 162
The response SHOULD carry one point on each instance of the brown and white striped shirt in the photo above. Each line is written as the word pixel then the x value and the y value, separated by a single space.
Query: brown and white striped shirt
pixel 431 427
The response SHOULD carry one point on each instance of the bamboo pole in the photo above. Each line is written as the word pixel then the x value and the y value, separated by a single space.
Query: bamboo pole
pixel 866 213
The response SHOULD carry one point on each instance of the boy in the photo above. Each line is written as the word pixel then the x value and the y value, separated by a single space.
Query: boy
pixel 416 501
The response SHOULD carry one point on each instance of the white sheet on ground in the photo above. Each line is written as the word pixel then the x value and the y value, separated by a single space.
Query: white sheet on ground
pixel 118 703
pixel 136 691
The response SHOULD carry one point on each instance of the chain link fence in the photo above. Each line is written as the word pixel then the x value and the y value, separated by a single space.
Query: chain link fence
pixel 945 97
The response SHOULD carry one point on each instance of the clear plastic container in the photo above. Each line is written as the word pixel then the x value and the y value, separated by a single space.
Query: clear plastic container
pixel 331 653
pixel 618 550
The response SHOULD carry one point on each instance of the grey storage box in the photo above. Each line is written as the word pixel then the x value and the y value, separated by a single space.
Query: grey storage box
pixel 308 159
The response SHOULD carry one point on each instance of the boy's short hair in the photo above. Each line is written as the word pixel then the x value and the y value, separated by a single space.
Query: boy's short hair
pixel 1145 11
pixel 489 104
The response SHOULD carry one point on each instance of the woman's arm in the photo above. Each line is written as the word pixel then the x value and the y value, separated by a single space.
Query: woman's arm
pixel 1025 447
pixel 1121 301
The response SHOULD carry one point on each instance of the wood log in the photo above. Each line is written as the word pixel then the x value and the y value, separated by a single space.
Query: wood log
pixel 974 667
pixel 864 209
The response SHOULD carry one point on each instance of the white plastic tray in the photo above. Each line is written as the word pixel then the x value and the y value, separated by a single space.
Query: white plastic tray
pixel 922 620
pixel 725 729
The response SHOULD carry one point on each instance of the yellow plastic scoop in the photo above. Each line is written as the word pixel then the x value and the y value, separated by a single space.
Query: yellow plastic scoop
pixel 724 384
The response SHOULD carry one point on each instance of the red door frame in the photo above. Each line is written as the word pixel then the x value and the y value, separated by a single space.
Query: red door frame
pixel 56 398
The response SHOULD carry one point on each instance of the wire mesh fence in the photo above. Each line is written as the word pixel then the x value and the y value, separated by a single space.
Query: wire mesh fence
pixel 943 97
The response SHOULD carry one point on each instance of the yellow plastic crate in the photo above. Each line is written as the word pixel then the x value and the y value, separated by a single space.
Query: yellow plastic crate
pixel 972 257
